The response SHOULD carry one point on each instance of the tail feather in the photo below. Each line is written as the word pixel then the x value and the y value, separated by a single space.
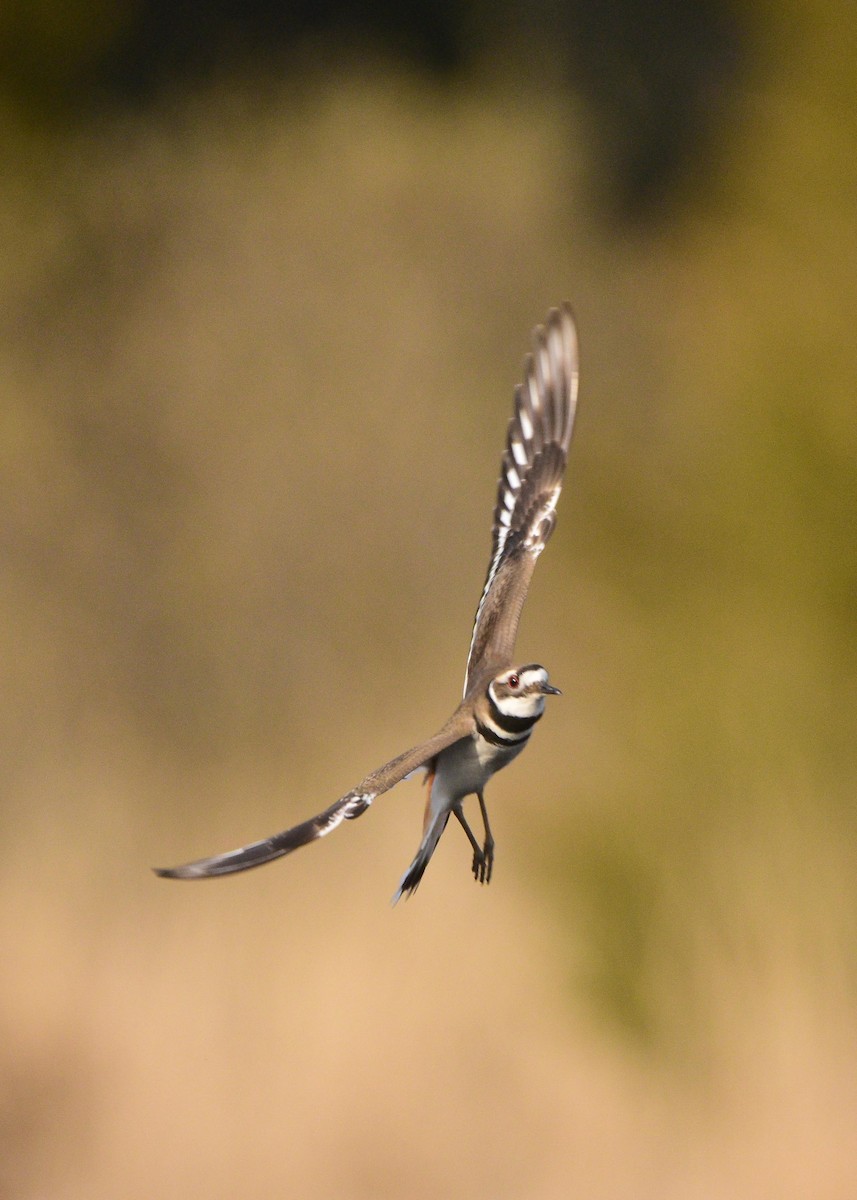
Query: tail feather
pixel 411 878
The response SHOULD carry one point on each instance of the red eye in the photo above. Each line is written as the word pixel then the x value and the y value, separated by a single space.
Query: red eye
pixel 514 681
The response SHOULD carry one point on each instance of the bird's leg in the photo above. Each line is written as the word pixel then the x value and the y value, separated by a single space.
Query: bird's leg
pixel 488 846
pixel 479 864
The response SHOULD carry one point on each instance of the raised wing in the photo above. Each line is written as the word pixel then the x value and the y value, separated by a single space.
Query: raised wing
pixel 349 806
pixel 531 475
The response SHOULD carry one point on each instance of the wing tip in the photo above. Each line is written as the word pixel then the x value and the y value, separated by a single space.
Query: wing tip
pixel 546 398
pixel 556 346
pixel 561 317
pixel 185 872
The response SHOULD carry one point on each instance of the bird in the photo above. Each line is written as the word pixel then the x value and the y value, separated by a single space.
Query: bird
pixel 502 700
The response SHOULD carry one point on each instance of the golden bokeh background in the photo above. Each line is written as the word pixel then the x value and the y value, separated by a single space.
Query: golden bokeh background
pixel 257 353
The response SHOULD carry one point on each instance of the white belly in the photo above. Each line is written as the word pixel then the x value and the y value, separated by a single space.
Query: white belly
pixel 466 766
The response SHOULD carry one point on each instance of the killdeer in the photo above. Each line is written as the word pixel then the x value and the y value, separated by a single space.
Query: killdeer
pixel 502 702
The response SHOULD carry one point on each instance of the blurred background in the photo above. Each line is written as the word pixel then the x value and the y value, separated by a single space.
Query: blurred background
pixel 268 276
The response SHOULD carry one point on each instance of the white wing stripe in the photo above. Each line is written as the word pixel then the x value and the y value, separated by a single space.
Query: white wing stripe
pixel 526 425
pixel 519 452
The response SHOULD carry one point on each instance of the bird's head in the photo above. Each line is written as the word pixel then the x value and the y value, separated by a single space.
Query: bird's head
pixel 521 691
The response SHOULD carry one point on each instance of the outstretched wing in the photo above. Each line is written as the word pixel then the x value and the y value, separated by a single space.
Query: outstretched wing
pixel 531 476
pixel 349 806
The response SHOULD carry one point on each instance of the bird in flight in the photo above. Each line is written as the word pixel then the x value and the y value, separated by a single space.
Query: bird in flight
pixel 502 700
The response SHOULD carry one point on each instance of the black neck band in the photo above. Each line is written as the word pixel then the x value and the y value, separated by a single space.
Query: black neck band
pixel 495 739
pixel 510 724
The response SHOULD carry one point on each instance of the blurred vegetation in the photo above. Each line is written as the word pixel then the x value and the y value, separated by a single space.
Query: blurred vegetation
pixel 658 79
pixel 262 319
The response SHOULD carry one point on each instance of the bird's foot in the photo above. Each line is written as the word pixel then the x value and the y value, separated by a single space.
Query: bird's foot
pixel 483 863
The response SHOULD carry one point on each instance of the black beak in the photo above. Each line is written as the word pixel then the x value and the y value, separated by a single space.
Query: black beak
pixel 549 690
